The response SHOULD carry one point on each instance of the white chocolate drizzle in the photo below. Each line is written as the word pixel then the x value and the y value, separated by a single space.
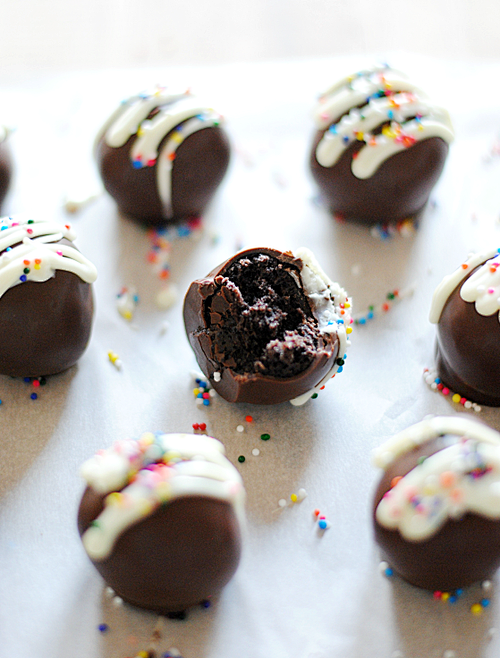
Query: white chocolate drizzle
pixel 30 251
pixel 332 309
pixel 462 477
pixel 177 116
pixel 483 287
pixel 140 475
pixel 367 100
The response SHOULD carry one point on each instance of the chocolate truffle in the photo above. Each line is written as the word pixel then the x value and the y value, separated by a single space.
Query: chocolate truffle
pixel 162 156
pixel 5 164
pixel 268 326
pixel 379 148
pixel 161 519
pixel 46 304
pixel 466 309
pixel 437 507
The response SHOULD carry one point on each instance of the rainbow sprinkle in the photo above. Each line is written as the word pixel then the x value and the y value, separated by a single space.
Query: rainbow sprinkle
pixel 434 382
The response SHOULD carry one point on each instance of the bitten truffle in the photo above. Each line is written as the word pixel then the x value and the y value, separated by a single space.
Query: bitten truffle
pixel 162 156
pixel 379 148
pixel 268 326
pixel 5 164
pixel 46 304
pixel 437 507
pixel 466 309
pixel 161 519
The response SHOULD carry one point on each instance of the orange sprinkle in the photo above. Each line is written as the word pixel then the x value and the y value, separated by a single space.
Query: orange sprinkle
pixel 395 480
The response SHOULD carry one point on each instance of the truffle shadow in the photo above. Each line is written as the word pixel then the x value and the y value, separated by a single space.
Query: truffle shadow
pixel 27 429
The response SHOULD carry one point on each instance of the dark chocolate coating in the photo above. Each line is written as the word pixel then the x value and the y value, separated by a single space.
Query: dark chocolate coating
pixel 398 190
pixel 468 350
pixel 5 169
pixel 183 553
pixel 45 326
pixel 210 303
pixel 200 164
pixel 460 553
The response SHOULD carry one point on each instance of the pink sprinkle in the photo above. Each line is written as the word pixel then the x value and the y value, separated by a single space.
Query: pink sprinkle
pixel 445 391
pixel 491 290
pixel 59 253
pixel 15 224
pixel 29 230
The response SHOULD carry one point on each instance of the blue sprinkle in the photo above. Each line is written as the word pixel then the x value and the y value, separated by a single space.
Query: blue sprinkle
pixel 459 592
pixel 4 228
pixel 340 369
pixel 452 599
pixel 200 395
pixel 9 249
pixel 136 299
pixel 0 401
pixel 27 379
pixel 340 321
pixel 333 130
pixel 345 139
pixel 390 114
pixel 362 320
pixel 183 231
pixel 389 572
pixel 103 628
pixel 369 315
pixel 136 164
pixel 206 603
pixel 485 603
pixel 206 402
pixel 33 396
pixel 437 380
pixel 344 357
pixel 23 278
pixel 322 524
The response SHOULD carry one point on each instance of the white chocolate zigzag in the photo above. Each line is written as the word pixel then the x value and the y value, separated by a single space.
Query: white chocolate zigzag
pixel 140 475
pixel 178 116
pixel 30 251
pixel 367 100
pixel 462 477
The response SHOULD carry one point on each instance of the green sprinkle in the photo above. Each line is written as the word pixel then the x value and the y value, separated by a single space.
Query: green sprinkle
pixel 391 295
pixel 241 459
pixel 26 270
pixel 314 396
pixel 421 460
pixel 265 437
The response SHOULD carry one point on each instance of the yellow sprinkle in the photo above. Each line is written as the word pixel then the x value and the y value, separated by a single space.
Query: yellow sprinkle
pixel 163 491
pixel 146 439
pixel 142 654
pixel 127 315
pixel 456 398
pixel 176 137
pixel 348 330
pixel 140 132
pixel 476 609
pixel 445 596
pixel 196 391
pixel 360 135
pixel 37 266
pixel 114 498
pixel 113 357
pixel 294 498
pixel 347 305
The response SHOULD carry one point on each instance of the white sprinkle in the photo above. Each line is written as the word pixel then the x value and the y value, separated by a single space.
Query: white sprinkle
pixel 255 452
pixel 240 428
pixel 467 404
pixel 486 585
pixel 491 633
pixel 356 270
pixel 383 566
pixel 167 297
pixel 199 401
pixel 216 376
pixel 212 392
pixel 301 494
pixel 434 386
pixel 110 592
pixel 449 653
pixel 282 502
pixel 117 601
pixel 476 408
